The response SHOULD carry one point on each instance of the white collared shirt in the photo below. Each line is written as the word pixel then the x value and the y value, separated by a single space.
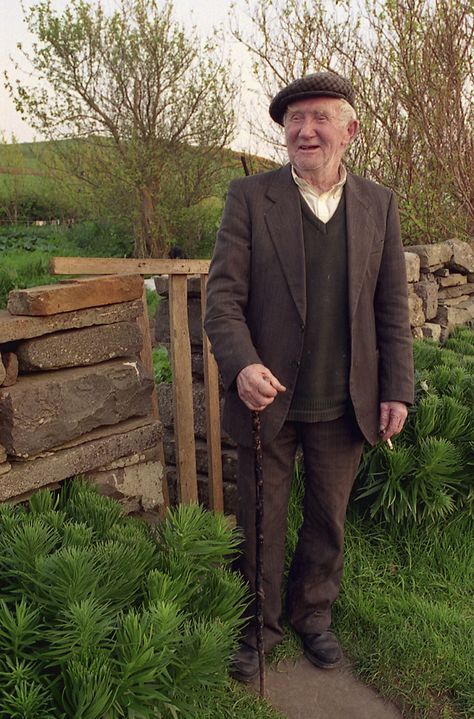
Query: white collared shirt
pixel 325 205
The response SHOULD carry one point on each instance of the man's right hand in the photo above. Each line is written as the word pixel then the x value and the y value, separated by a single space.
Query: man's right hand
pixel 257 386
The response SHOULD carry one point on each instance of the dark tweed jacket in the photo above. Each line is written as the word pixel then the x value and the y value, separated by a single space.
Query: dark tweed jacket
pixel 256 300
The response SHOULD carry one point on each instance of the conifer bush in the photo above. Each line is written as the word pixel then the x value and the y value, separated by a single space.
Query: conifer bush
pixel 103 617
pixel 429 473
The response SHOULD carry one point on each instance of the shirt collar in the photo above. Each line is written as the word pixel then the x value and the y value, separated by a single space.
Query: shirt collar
pixel 306 187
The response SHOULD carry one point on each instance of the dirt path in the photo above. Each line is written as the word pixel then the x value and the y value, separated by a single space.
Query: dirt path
pixel 301 691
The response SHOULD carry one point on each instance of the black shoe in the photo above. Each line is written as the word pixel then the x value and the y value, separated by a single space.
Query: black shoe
pixel 244 665
pixel 323 649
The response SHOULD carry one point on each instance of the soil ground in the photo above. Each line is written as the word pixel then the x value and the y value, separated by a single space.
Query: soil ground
pixel 300 690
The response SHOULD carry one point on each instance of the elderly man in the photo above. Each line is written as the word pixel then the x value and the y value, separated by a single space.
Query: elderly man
pixel 307 315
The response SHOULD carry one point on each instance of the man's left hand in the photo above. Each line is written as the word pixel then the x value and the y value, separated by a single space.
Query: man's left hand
pixel 392 419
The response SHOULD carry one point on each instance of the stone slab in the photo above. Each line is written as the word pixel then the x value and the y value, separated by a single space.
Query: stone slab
pixel 139 485
pixel 415 309
pixel 433 256
pixel 412 264
pixel 462 256
pixel 428 293
pixel 10 364
pixel 17 327
pixel 3 371
pixel 44 410
pixel 452 280
pixel 26 476
pixel 432 331
pixel 451 315
pixel 75 295
pixel 5 467
pixel 451 292
pixel 3 453
pixel 76 348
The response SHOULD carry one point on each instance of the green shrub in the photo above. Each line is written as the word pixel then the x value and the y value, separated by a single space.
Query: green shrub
pixel 162 365
pixel 102 616
pixel 428 474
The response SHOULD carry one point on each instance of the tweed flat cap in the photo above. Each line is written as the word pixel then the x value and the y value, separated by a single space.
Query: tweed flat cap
pixel 328 84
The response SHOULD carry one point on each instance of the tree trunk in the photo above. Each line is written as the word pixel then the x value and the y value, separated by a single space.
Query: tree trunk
pixel 149 240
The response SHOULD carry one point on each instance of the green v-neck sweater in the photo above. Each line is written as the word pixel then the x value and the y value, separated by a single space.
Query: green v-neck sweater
pixel 322 387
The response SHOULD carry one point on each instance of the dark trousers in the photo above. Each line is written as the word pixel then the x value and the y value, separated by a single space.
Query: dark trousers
pixel 331 452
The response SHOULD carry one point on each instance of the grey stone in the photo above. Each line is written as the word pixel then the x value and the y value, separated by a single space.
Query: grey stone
pixel 22 327
pixel 415 308
pixel 458 291
pixel 412 264
pixel 75 348
pixel 462 256
pixel 432 256
pixel 428 292
pixel 431 331
pixel 450 314
pixel 137 486
pixel 452 280
pixel 45 410
pixel 10 364
pixel 442 272
pixel 29 475
pixel 416 333
pixel 3 371
pixel 5 467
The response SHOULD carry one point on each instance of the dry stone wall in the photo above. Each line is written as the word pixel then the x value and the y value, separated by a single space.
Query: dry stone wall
pixel 440 287
pixel 74 396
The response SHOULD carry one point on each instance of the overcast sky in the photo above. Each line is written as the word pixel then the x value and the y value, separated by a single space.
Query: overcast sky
pixel 203 13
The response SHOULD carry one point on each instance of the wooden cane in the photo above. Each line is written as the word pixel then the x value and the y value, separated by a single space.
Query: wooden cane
pixel 259 590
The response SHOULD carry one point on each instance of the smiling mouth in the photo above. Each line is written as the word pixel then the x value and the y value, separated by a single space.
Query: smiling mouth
pixel 308 147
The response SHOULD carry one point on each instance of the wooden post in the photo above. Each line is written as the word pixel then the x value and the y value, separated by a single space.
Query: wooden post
pixel 213 434
pixel 146 358
pixel 182 389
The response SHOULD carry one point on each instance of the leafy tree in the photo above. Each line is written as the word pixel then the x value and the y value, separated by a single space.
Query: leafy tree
pixel 412 64
pixel 142 91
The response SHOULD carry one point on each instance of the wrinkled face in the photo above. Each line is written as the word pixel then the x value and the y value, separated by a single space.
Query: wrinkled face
pixel 316 136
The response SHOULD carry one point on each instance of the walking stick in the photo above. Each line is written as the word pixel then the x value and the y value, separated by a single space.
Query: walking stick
pixel 259 591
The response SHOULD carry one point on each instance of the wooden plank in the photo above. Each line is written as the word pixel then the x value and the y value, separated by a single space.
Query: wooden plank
pixel 118 265
pixel 213 434
pixel 75 295
pixel 146 356
pixel 182 390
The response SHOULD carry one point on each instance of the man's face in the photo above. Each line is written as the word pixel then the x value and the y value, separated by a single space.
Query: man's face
pixel 315 136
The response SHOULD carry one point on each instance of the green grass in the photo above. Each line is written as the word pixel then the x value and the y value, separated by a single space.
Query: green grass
pixel 26 250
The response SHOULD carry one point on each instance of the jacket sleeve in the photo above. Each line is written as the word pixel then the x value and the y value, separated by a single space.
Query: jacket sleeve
pixel 228 289
pixel 394 338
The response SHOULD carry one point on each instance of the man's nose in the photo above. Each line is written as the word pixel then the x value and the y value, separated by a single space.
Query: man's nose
pixel 308 128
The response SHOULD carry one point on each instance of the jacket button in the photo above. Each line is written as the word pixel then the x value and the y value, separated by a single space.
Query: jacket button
pixel 302 326
pixel 295 363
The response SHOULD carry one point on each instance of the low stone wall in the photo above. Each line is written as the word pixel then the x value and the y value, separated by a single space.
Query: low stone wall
pixel 441 287
pixel 74 395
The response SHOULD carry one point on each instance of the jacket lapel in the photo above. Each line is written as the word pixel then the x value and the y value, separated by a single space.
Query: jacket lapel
pixel 285 226
pixel 360 236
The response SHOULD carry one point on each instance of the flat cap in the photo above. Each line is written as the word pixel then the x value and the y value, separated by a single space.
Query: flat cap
pixel 328 84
